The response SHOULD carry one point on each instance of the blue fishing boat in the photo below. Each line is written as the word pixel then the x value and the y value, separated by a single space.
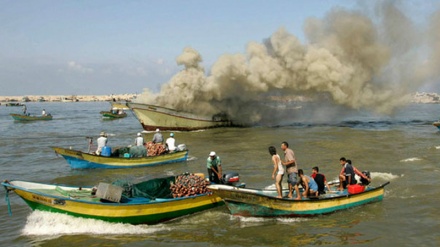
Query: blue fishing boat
pixel 82 160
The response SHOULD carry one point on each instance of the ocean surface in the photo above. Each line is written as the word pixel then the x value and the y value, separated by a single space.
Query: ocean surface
pixel 403 149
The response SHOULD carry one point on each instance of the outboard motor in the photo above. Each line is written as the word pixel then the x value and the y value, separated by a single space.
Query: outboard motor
pixel 233 179
pixel 363 180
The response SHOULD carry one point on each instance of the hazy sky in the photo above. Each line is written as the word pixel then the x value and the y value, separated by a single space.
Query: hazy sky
pixel 50 47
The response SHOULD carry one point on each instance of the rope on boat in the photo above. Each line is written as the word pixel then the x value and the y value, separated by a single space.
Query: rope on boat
pixel 7 201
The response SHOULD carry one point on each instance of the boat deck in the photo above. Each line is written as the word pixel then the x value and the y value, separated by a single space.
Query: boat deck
pixel 85 195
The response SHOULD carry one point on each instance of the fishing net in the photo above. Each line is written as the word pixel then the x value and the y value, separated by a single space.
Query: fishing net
pixel 155 188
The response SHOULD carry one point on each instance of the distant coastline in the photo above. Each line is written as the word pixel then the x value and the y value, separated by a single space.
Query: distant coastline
pixel 68 98
pixel 419 97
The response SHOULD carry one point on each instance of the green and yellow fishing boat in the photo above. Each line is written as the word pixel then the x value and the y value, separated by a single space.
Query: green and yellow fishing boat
pixel 21 117
pixel 113 114
pixel 264 203
pixel 148 202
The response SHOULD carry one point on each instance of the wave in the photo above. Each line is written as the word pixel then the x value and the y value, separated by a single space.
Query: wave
pixel 56 224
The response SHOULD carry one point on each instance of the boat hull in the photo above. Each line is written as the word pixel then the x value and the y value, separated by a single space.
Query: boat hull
pixel 20 117
pixel 87 206
pixel 108 114
pixel 152 117
pixel 437 124
pixel 80 160
pixel 248 202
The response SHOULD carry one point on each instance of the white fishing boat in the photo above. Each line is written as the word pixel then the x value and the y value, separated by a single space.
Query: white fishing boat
pixel 152 117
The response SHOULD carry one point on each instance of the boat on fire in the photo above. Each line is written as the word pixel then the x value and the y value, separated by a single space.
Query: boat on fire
pixel 152 117
pixel 264 203
pixel 146 202
pixel 83 160
pixel 22 117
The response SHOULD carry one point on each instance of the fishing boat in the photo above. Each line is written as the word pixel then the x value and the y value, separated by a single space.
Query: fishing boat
pixel 264 203
pixel 82 160
pixel 437 124
pixel 152 117
pixel 14 104
pixel 21 117
pixel 113 114
pixel 147 202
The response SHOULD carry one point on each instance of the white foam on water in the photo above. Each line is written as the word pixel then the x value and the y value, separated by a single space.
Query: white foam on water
pixel 411 159
pixel 384 176
pixel 46 223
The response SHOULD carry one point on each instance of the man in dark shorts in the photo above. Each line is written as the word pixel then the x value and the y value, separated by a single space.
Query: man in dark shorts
pixel 292 170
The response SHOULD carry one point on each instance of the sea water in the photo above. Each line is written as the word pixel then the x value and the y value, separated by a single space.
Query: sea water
pixel 403 149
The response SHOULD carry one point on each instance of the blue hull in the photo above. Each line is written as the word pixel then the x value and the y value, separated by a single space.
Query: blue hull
pixel 76 163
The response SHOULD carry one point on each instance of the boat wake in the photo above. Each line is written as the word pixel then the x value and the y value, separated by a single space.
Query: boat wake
pixel 411 159
pixel 41 223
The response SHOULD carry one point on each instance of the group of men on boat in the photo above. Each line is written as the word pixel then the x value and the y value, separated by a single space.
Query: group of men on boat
pixel 155 147
pixel 26 113
pixel 312 185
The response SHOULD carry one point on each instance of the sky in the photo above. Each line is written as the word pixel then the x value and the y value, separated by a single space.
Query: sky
pixel 83 47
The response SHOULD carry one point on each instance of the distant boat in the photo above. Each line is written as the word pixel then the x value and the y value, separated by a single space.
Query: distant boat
pixel 21 117
pixel 113 114
pixel 152 117
pixel 41 99
pixel 14 104
pixel 437 124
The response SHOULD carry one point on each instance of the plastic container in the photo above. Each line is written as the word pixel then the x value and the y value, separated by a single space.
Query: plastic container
pixel 355 189
pixel 126 155
pixel 106 151
pixel 200 175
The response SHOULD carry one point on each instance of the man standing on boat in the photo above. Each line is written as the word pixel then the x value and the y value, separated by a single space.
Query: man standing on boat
pixel 101 141
pixel 24 109
pixel 158 138
pixel 292 170
pixel 214 166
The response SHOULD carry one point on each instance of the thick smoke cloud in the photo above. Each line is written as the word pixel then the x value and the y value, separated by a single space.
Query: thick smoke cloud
pixel 349 60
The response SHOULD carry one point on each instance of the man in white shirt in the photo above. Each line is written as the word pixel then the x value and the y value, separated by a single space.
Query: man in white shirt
pixel 171 143
pixel 102 141
pixel 139 141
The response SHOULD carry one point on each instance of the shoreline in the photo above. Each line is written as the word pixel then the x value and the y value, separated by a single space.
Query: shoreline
pixel 68 98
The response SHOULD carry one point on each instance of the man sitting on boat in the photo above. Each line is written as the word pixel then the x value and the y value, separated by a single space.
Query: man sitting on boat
pixel 309 185
pixel 320 180
pixel 157 138
pixel 214 166
pixel 171 143
pixel 139 141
